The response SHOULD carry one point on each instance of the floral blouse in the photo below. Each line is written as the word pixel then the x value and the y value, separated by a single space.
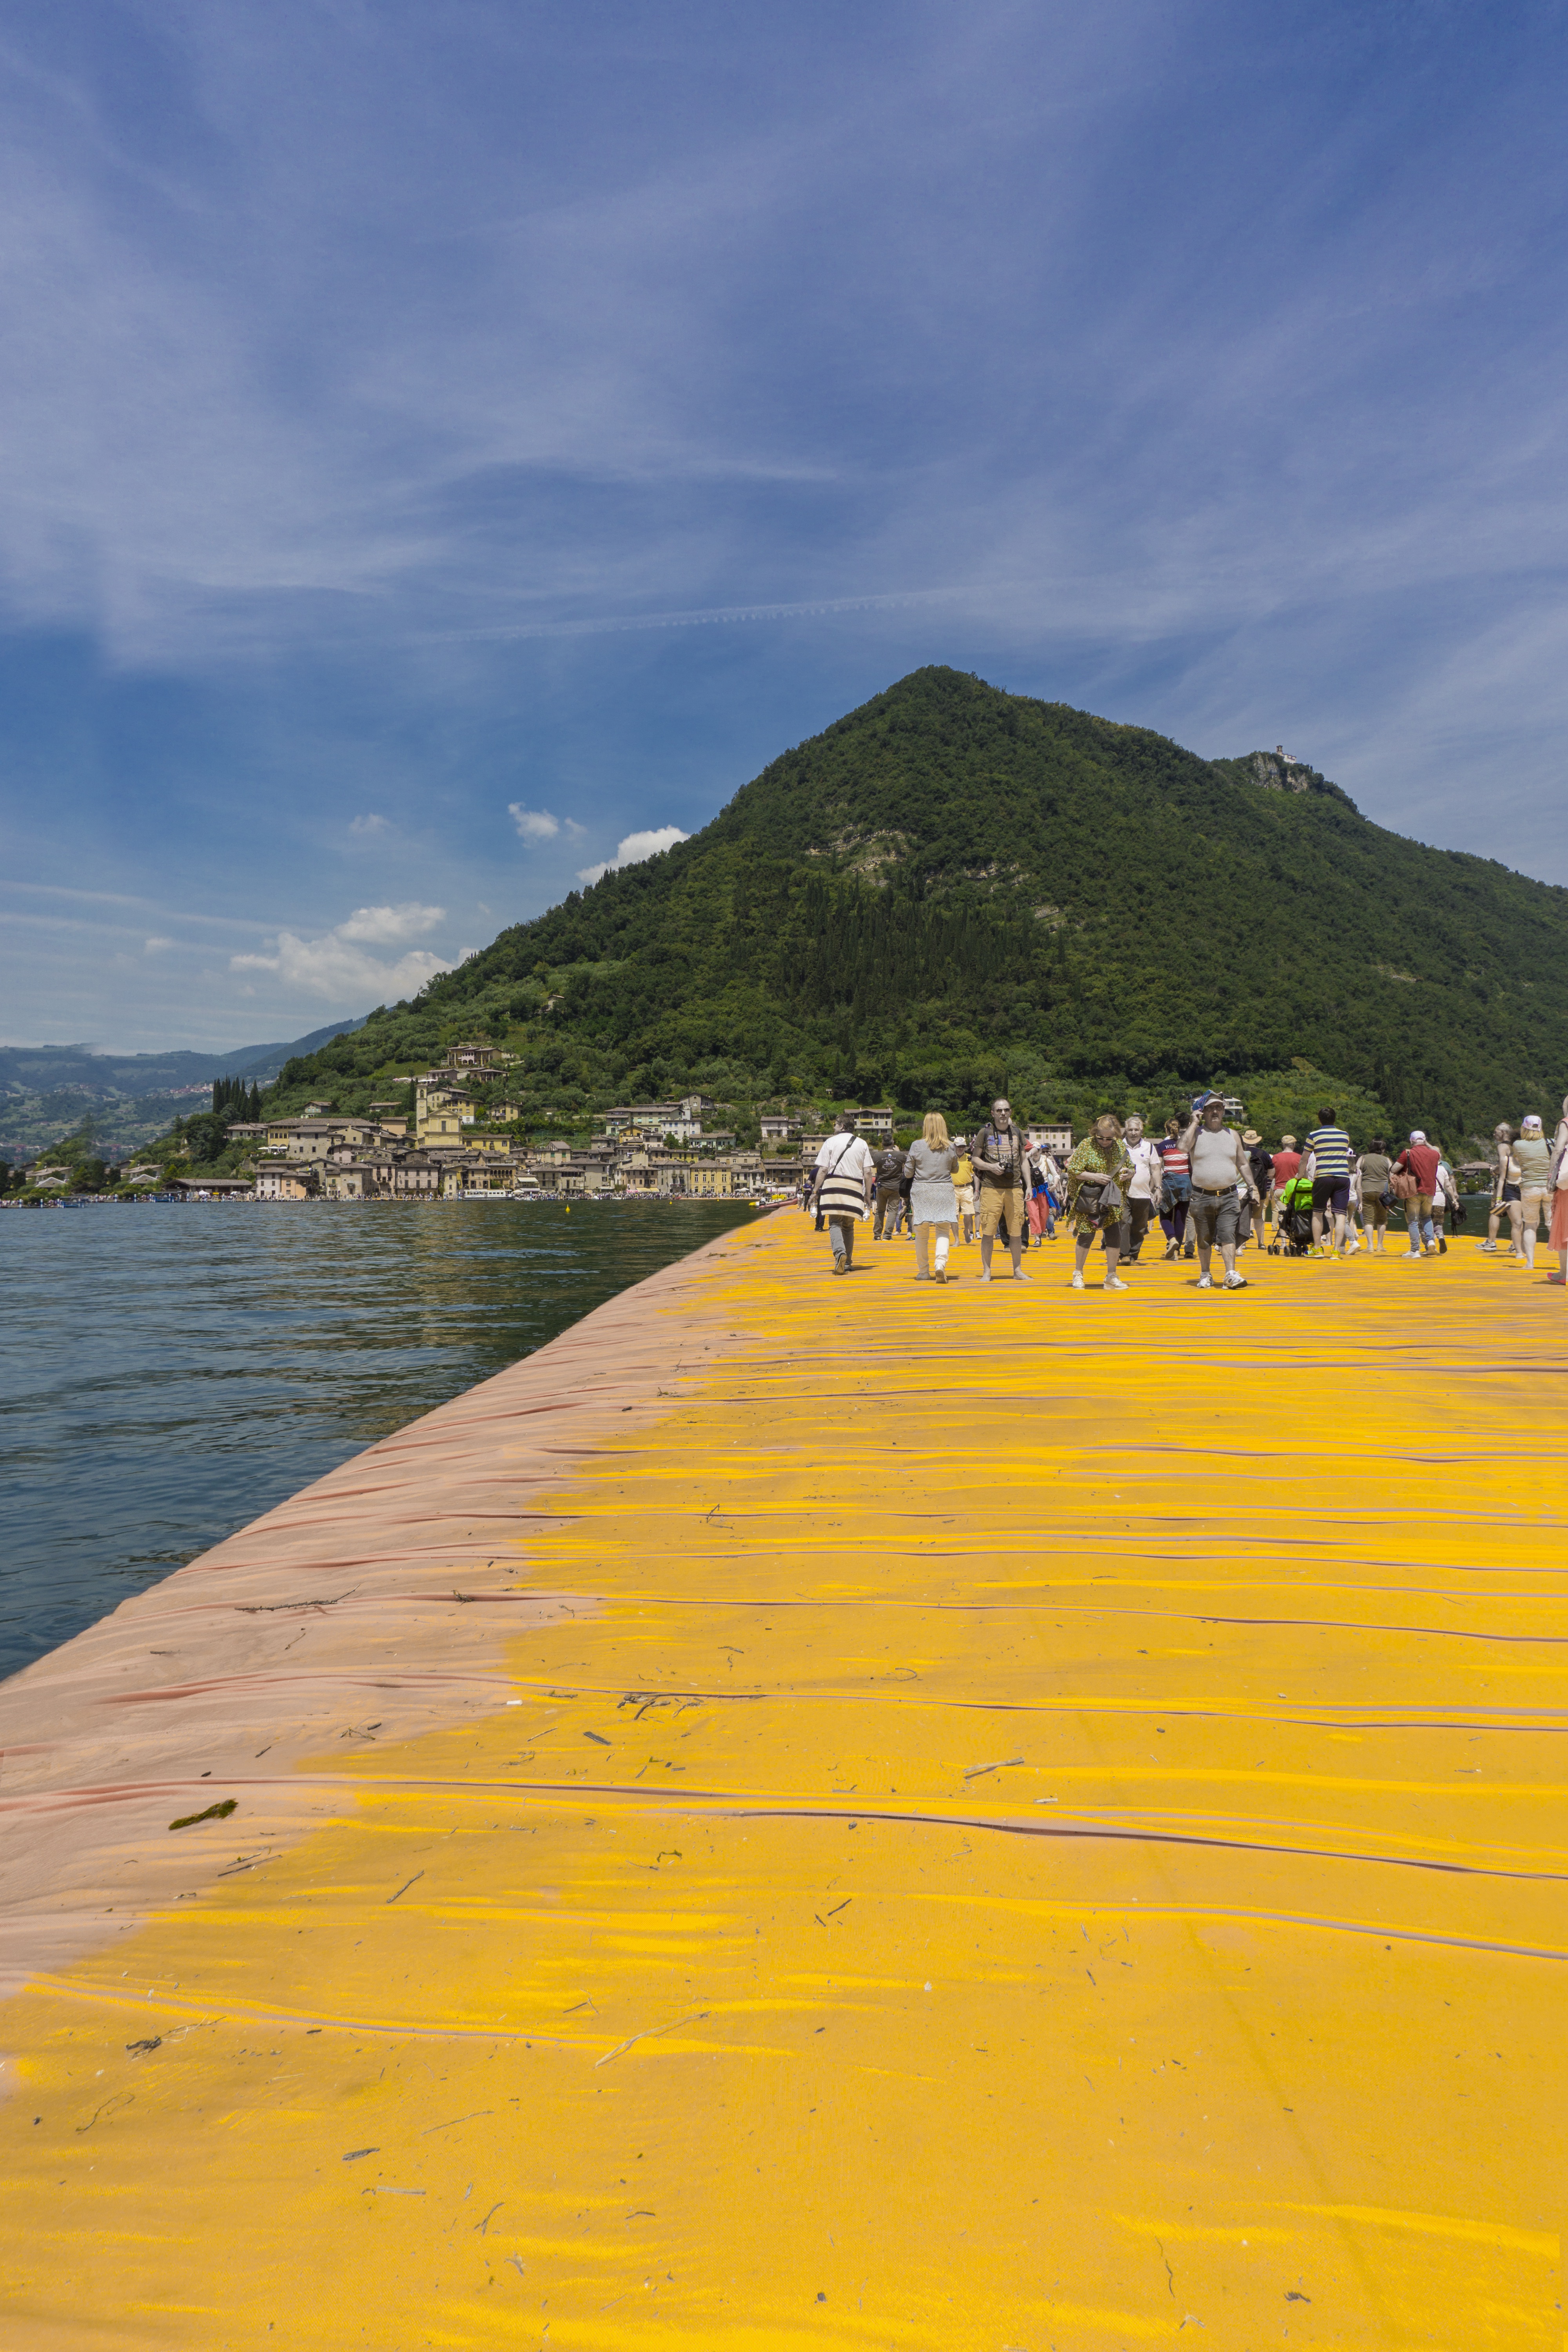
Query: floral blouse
pixel 1088 1159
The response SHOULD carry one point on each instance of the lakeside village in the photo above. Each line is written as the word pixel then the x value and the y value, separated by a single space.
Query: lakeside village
pixel 460 1141
pixel 453 1135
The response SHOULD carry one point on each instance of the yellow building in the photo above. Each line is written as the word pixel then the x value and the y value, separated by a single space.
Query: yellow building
pixel 697 1179
pixel 441 1113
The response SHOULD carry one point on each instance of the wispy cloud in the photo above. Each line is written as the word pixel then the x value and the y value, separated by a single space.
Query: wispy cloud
pixel 369 827
pixel 388 925
pixel 154 907
pixel 590 385
pixel 538 824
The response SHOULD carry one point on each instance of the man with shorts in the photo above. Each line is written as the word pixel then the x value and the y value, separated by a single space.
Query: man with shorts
pixel 1221 1178
pixel 1331 1149
pixel 1417 1164
pixel 1000 1168
pixel 889 1200
pixel 1537 1160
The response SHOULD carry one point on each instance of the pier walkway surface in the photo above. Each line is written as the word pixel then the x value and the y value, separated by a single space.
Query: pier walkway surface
pixel 834 1813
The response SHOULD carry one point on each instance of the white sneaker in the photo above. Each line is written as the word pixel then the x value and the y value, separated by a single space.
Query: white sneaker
pixel 1205 1283
pixel 1113 1282
pixel 1236 1282
pixel 1077 1282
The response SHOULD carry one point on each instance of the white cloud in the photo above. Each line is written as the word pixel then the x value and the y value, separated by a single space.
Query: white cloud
pixel 337 966
pixel 389 925
pixel 369 827
pixel 533 824
pixel 633 849
pixel 156 947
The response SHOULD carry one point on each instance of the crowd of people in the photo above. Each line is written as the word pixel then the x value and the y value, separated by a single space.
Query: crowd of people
pixel 1212 1190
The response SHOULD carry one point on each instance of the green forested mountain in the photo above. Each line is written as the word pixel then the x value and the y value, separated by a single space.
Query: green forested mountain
pixel 954 889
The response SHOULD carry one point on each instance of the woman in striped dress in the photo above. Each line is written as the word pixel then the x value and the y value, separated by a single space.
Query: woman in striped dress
pixel 1176 1189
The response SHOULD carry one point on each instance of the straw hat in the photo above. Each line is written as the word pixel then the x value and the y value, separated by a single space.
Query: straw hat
pixel 1251 1135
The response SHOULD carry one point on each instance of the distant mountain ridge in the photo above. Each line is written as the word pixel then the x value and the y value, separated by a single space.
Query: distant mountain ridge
pixel 37 1069
pixel 953 889
pixel 45 1091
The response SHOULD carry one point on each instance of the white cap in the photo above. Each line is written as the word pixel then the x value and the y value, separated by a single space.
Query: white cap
pixel 1418 1135
pixel 1532 1118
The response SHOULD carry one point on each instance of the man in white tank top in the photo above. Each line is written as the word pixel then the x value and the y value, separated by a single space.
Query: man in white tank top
pixel 1222 1178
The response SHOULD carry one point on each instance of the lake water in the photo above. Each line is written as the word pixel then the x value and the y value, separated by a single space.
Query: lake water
pixel 168 1371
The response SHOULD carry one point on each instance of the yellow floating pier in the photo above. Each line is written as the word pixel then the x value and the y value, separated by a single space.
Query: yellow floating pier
pixel 834 1813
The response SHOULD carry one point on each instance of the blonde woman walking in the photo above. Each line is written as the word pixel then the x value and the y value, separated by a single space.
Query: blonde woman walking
pixel 933 1204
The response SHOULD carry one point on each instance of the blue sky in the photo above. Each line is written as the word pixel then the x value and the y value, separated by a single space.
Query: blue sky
pixel 440 444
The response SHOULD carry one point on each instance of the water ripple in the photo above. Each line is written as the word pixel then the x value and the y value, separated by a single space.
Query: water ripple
pixel 168 1372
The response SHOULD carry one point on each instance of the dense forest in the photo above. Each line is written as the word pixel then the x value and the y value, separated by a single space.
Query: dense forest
pixel 954 889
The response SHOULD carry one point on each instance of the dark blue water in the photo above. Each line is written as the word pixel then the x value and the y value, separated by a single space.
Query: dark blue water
pixel 169 1371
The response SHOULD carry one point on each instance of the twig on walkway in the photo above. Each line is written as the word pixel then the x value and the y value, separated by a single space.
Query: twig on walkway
pixel 648 2031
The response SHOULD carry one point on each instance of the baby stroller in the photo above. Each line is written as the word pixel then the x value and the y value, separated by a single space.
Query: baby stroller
pixel 1293 1221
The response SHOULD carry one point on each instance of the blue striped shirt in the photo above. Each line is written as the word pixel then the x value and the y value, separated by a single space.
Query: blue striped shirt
pixel 1331 1147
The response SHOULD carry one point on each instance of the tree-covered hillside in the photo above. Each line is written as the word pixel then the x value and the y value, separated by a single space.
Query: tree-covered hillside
pixel 954 889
